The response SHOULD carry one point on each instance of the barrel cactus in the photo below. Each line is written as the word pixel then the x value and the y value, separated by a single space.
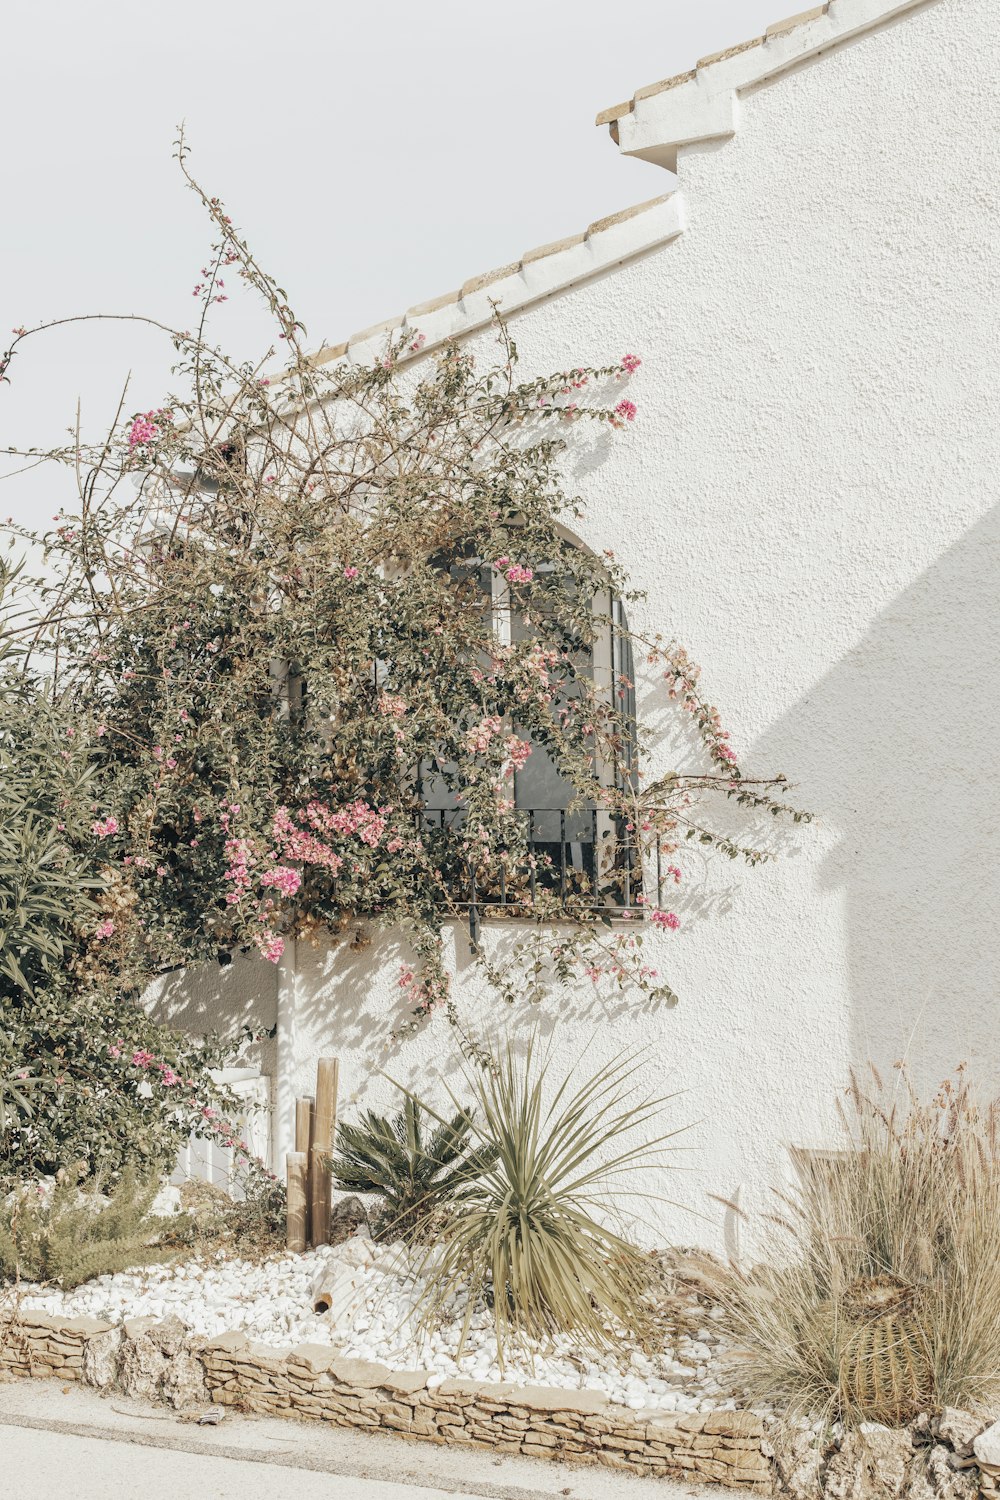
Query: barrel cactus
pixel 885 1366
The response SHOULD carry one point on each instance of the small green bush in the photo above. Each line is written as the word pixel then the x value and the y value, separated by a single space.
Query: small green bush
pixel 77 1232
pixel 415 1177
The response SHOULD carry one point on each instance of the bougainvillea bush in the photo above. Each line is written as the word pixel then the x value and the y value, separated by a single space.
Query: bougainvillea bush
pixel 287 608
pixel 87 1080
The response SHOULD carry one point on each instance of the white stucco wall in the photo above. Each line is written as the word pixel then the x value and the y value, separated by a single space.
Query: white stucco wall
pixel 809 498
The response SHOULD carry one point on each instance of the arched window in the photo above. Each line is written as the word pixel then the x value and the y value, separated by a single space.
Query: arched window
pixel 576 847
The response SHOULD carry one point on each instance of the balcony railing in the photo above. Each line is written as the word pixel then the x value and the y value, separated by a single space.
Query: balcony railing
pixel 579 860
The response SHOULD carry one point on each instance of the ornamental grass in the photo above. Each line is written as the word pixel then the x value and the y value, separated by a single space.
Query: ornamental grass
pixel 881 1294
pixel 534 1233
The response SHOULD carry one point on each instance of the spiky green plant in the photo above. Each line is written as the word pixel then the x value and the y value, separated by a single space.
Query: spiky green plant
pixel 533 1234
pixel 414 1175
pixel 77 1233
pixel 879 1295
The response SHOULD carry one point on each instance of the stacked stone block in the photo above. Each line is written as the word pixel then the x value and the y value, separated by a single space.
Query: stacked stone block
pixel 315 1383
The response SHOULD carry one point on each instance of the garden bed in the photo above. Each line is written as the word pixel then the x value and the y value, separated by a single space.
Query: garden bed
pixel 375 1294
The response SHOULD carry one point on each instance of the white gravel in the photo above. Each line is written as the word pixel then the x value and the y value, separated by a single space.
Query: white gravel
pixel 376 1293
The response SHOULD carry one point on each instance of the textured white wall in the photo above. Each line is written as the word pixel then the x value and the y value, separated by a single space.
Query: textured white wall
pixel 808 496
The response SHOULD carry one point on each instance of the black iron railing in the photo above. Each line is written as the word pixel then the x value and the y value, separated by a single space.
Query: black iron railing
pixel 571 860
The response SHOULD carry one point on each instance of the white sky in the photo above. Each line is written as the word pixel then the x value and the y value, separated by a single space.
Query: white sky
pixel 376 155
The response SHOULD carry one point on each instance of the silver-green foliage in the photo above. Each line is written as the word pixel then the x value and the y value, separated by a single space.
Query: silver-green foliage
pixel 533 1234
pixel 75 1232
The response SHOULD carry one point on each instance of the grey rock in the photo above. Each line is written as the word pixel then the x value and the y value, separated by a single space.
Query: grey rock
pixel 987 1445
pixel 100 1359
pixel 157 1363
pixel 348 1216
pixel 958 1429
pixel 798 1459
pixel 937 1478
pixel 872 1463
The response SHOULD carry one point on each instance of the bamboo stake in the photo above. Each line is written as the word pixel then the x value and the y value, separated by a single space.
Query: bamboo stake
pixel 297 1170
pixel 303 1143
pixel 324 1126
pixel 304 1123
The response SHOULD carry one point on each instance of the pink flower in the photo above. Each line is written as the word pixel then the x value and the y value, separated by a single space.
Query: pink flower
pixel 141 1058
pixel 513 572
pixel 630 363
pixel 351 573
pixel 104 929
pixel 626 410
pixel 518 750
pixel 105 827
pixel 167 1075
pixel 144 429
pixel 418 343
pixel 663 919
pixel 271 947
pixel 101 731
pixel 170 764
pixel 282 878
pixel 726 752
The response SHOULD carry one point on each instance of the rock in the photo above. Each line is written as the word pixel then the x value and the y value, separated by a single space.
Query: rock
pixel 947 1479
pixel 356 1251
pixel 987 1444
pixel 100 1359
pixel 348 1217
pixel 798 1458
pixel 959 1429
pixel 155 1362
pixel 871 1463
pixel 167 1202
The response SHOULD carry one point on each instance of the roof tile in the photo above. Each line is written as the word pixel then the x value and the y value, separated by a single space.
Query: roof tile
pixel 790 23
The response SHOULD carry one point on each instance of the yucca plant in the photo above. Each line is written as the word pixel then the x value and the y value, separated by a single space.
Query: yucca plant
pixel 415 1173
pixel 78 1232
pixel 534 1233
pixel 880 1295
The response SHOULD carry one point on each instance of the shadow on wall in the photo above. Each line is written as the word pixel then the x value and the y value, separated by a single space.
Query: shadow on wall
pixel 897 747
pixel 208 998
pixel 350 1001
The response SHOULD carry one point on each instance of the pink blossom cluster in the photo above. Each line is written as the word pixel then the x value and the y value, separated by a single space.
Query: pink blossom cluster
pixel 240 854
pixel 664 919
pixel 104 929
pixel 392 705
pixel 513 572
pixel 270 947
pixel 630 363
pixel 518 751
pixel 103 828
pixel 479 737
pixel 626 410
pixel 147 426
pixel 282 878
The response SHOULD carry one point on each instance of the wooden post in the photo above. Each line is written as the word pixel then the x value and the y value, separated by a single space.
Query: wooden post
pixel 297 1169
pixel 303 1145
pixel 324 1126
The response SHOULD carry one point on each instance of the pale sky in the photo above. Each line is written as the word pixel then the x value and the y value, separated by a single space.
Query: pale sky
pixel 376 154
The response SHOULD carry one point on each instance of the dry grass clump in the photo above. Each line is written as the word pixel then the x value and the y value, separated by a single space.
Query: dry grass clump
pixel 882 1294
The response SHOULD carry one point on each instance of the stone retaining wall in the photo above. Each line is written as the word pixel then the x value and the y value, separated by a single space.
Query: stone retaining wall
pixel 158 1360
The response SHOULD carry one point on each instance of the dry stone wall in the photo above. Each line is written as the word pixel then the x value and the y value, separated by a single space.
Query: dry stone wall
pixel 156 1360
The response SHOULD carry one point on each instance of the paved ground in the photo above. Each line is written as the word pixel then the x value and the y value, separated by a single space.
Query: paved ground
pixel 74 1444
